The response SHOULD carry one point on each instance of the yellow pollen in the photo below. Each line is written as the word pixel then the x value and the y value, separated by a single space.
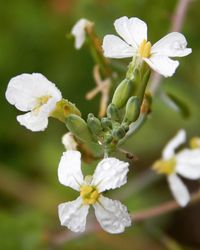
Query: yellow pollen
pixel 145 49
pixel 89 194
pixel 165 166
pixel 195 142
pixel 41 101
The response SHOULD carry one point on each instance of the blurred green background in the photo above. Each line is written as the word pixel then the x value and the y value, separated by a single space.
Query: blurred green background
pixel 33 39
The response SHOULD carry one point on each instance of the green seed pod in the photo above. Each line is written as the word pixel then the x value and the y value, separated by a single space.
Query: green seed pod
pixel 94 124
pixel 113 112
pixel 122 93
pixel 118 133
pixel 132 110
pixel 79 128
pixel 106 123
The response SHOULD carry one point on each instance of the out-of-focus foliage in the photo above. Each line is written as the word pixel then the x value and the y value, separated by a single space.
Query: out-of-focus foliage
pixel 33 39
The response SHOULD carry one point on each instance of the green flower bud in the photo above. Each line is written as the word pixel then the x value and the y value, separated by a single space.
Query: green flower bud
pixel 122 93
pixel 94 124
pixel 79 128
pixel 113 112
pixel 106 123
pixel 132 110
pixel 118 133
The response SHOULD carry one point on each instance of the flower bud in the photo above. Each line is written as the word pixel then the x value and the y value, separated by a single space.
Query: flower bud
pixel 94 124
pixel 122 93
pixel 113 112
pixel 79 128
pixel 106 123
pixel 132 110
pixel 118 133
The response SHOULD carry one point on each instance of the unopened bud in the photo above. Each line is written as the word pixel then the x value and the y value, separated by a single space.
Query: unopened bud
pixel 118 133
pixel 132 110
pixel 79 128
pixel 122 93
pixel 106 123
pixel 94 124
pixel 113 112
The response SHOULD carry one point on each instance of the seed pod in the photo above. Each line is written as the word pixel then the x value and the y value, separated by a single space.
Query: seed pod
pixel 94 124
pixel 113 112
pixel 122 93
pixel 132 110
pixel 79 128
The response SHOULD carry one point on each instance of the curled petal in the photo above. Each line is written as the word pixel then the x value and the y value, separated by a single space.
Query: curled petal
pixel 132 30
pixel 112 215
pixel 73 215
pixel 162 64
pixel 110 173
pixel 24 90
pixel 69 169
pixel 188 163
pixel 115 47
pixel 169 150
pixel 78 31
pixel 179 190
pixel 33 122
pixel 173 45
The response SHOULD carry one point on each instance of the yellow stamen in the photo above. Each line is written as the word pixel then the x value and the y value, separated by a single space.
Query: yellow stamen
pixel 165 166
pixel 41 101
pixel 89 194
pixel 195 142
pixel 145 49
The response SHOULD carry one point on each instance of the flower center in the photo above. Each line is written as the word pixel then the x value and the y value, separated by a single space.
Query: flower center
pixel 165 166
pixel 89 194
pixel 195 142
pixel 41 101
pixel 145 49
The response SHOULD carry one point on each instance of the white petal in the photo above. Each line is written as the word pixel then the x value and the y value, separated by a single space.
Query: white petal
pixel 24 90
pixel 78 31
pixel 69 169
pixel 162 64
pixel 175 142
pixel 115 47
pixel 188 163
pixel 110 173
pixel 112 215
pixel 69 141
pixel 33 122
pixel 179 190
pixel 132 30
pixel 173 45
pixel 73 215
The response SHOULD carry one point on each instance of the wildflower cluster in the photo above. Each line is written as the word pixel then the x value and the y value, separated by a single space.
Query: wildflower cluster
pixel 129 106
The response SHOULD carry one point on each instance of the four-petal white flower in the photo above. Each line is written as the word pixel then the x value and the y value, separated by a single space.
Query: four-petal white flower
pixel 34 93
pixel 110 173
pixel 185 163
pixel 78 31
pixel 134 33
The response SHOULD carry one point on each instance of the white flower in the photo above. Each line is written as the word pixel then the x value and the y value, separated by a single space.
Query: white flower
pixel 109 174
pixel 78 31
pixel 185 163
pixel 34 93
pixel 69 141
pixel 135 43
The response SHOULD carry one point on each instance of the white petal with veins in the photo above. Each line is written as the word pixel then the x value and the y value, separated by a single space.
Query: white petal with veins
pixel 73 215
pixel 112 215
pixel 69 169
pixel 110 173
